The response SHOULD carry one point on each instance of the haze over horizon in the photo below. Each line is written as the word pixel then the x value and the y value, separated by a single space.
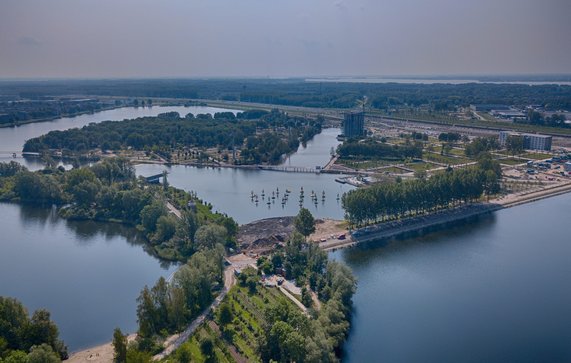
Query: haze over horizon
pixel 296 38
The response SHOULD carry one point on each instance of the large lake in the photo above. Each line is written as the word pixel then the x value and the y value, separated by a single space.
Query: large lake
pixel 87 274
pixel 492 290
pixel 90 274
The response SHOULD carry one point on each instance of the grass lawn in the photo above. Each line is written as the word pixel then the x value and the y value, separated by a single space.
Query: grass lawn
pixel 392 169
pixel 444 159
pixel 512 161
pixel 536 156
pixel 366 164
pixel 457 152
pixel 419 166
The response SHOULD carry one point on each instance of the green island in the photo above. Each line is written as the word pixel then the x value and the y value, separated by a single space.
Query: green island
pixel 251 137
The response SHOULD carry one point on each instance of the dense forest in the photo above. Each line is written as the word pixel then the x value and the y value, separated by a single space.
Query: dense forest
pixel 28 339
pixel 297 92
pixel 264 139
pixel 400 199
pixel 109 191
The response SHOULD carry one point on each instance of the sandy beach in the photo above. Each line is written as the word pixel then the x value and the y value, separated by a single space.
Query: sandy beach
pixel 99 354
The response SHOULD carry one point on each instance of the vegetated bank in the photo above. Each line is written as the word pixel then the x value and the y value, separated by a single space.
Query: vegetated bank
pixel 261 320
pixel 389 209
pixel 25 339
pixel 251 137
pixel 28 110
pixel 109 191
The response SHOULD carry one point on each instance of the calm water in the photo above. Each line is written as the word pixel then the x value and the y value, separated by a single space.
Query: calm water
pixel 12 139
pixel 87 274
pixel 495 290
pixel 90 274
pixel 431 81
pixel 229 190
pixel 317 152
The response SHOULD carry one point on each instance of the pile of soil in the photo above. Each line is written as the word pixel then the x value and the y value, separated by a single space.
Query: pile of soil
pixel 263 235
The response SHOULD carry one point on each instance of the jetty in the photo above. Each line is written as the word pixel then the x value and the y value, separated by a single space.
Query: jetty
pixel 396 228
pixel 290 169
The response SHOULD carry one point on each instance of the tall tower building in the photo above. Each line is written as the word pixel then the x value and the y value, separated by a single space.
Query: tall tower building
pixel 354 124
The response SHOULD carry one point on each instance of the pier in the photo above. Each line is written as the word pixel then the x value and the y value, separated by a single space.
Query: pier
pixel 290 169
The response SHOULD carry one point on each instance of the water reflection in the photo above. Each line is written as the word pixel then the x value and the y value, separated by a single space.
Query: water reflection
pixel 450 233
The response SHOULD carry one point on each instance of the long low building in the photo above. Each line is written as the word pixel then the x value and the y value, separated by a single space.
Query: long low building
pixel 530 141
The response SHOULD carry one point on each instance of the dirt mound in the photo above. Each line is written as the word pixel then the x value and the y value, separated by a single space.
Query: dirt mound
pixel 263 235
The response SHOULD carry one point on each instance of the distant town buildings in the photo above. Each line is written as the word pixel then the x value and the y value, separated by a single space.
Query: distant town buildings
pixel 354 124
pixel 508 114
pixel 530 141
pixel 489 107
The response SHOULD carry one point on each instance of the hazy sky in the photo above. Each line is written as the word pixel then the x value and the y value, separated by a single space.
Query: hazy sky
pixel 195 38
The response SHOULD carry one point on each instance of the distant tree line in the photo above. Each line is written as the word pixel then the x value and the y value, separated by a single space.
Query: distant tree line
pixel 381 202
pixel 12 113
pixel 536 118
pixel 310 94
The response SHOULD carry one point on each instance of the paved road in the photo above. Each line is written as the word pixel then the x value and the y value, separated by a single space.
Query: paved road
pixel 173 210
pixel 175 341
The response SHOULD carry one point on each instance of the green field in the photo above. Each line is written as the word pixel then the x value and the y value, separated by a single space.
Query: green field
pixel 420 166
pixel 392 169
pixel 457 152
pixel 536 156
pixel 512 161
pixel 444 159
pixel 367 164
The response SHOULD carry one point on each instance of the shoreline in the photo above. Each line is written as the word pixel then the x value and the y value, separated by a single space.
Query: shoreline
pixel 48 119
pixel 104 352
pixel 415 224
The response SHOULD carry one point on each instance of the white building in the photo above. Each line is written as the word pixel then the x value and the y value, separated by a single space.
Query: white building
pixel 530 141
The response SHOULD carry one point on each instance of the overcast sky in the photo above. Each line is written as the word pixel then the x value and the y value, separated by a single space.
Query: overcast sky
pixel 282 38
